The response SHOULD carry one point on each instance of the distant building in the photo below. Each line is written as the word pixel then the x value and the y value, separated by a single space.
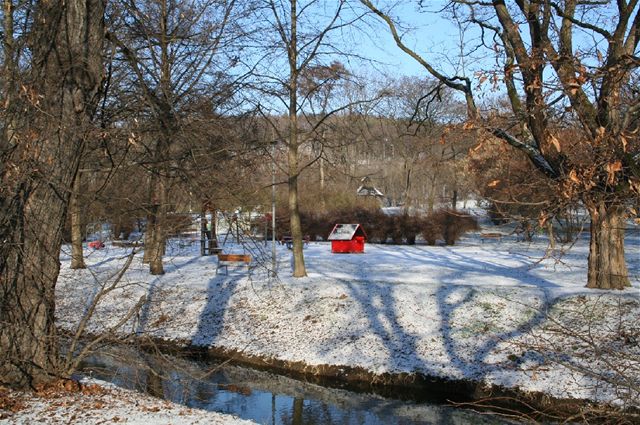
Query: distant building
pixel 368 189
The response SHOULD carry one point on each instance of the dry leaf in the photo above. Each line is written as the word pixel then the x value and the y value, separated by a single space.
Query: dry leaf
pixel 635 185
pixel 555 142
pixel 612 169
pixel 493 183
pixel 573 176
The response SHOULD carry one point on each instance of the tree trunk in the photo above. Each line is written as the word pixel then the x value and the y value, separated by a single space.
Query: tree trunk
pixel 152 214
pixel 299 269
pixel 607 268
pixel 323 197
pixel 36 181
pixel 552 236
pixel 205 238
pixel 77 257
pixel 8 79
pixel 158 228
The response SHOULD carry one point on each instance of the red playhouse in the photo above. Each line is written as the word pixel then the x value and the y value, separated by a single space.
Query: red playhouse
pixel 347 239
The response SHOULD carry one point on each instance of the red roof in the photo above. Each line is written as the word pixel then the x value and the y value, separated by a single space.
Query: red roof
pixel 345 232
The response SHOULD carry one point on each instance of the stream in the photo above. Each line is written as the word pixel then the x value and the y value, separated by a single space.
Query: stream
pixel 263 397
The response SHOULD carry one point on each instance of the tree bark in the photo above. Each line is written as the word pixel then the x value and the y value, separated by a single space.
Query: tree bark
pixel 77 257
pixel 607 268
pixel 36 182
pixel 157 227
pixel 299 269
pixel 150 225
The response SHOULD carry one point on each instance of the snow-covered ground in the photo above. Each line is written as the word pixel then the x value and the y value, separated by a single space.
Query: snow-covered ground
pixel 98 402
pixel 496 312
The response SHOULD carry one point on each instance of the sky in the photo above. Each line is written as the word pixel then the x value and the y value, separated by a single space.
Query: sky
pixel 430 34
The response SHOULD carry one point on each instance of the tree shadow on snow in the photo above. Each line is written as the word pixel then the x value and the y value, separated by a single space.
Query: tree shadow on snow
pixel 220 289
pixel 382 308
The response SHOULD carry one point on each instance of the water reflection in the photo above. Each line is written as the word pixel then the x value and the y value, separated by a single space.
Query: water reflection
pixel 264 397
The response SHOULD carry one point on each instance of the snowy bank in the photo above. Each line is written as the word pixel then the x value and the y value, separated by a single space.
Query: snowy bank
pixel 98 402
pixel 494 312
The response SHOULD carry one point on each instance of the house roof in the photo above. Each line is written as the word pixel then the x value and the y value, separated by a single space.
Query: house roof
pixel 368 191
pixel 345 232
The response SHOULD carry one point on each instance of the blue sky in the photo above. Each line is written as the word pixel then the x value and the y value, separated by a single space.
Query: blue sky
pixel 430 34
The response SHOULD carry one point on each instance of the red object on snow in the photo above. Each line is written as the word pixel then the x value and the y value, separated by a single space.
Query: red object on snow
pixel 347 239
pixel 96 244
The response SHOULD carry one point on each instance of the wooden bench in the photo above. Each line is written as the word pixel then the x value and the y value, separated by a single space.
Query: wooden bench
pixel 226 260
pixel 497 236
pixel 288 241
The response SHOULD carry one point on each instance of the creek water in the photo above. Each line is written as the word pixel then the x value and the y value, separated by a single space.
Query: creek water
pixel 263 397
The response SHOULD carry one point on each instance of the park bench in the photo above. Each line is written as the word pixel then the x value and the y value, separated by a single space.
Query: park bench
pixel 490 235
pixel 288 241
pixel 226 260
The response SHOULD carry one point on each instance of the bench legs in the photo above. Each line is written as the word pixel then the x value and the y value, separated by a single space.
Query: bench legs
pixel 226 267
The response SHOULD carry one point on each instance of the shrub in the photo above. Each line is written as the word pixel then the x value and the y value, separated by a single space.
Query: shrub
pixel 409 227
pixel 450 225
pixel 430 230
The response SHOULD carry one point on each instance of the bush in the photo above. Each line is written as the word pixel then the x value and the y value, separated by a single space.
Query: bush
pixel 431 231
pixel 409 227
pixel 449 225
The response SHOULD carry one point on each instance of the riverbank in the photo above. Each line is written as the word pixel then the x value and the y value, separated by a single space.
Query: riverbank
pixel 94 402
pixel 492 313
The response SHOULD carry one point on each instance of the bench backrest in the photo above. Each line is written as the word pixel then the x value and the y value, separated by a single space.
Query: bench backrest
pixel 236 258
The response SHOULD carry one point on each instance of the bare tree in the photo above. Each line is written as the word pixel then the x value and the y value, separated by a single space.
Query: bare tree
pixel 38 164
pixel 553 82
pixel 170 48
pixel 302 33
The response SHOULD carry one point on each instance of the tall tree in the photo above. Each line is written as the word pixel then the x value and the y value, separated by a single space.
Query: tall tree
pixel 300 32
pixel 38 165
pixel 555 80
pixel 173 50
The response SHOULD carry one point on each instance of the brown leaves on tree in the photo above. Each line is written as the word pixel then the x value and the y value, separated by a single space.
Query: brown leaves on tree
pixel 555 142
pixel 612 169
